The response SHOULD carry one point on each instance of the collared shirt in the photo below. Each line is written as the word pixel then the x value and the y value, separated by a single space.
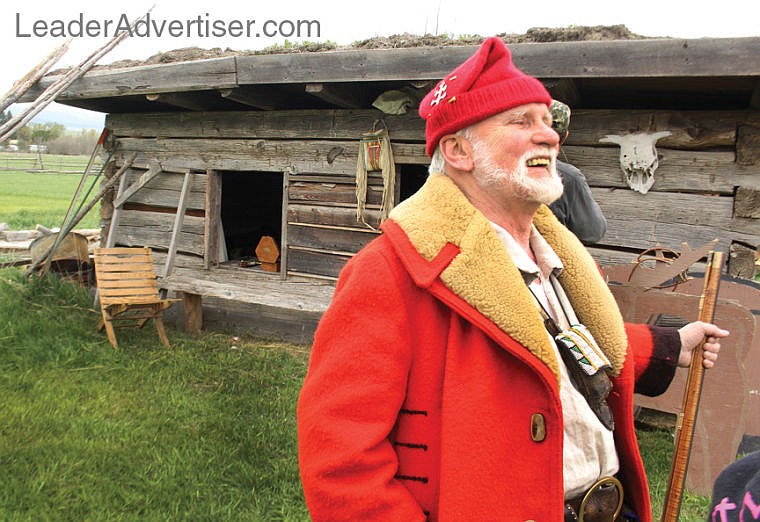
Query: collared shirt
pixel 589 448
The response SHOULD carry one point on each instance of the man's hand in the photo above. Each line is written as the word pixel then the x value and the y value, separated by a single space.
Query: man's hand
pixel 692 334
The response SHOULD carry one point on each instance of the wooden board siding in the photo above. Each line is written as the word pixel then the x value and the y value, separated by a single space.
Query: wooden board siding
pixel 281 125
pixel 691 129
pixel 310 262
pixel 308 156
pixel 700 192
pixel 154 229
pixel 164 190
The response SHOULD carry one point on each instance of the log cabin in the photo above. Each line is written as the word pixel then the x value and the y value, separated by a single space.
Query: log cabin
pixel 219 154
pixel 267 146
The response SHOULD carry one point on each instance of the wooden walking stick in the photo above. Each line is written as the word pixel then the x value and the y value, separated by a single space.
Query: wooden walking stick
pixel 687 418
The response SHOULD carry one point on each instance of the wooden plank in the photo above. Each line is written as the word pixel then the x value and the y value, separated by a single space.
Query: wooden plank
pixel 317 263
pixel 421 63
pixel 138 228
pixel 167 198
pixel 261 97
pixel 338 95
pixel 324 193
pixel 269 295
pixel 748 145
pixel 641 221
pixel 611 256
pixel 741 261
pixel 182 260
pixel 124 195
pixel 618 58
pixel 187 101
pixel 168 179
pixel 705 57
pixel 343 239
pixel 216 73
pixel 115 214
pixel 164 190
pixel 138 236
pixel 106 278
pixel 261 155
pixel 177 227
pixel 691 130
pixel 695 209
pixel 564 90
pixel 672 57
pixel 212 218
pixel 747 202
pixel 289 124
pixel 329 215
pixel 193 312
pixel 267 322
pixel 642 235
pixel 161 222
pixel 284 224
pixel 678 171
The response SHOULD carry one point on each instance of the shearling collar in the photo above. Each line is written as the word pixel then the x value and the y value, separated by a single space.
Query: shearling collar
pixel 483 274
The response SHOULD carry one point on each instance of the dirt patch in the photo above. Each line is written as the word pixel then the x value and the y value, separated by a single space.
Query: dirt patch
pixel 534 35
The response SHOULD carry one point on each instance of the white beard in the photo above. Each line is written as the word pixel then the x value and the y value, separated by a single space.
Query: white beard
pixel 517 183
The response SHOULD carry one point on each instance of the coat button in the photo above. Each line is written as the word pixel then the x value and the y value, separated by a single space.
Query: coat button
pixel 537 427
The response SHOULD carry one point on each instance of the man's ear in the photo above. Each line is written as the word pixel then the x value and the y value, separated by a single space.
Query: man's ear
pixel 457 151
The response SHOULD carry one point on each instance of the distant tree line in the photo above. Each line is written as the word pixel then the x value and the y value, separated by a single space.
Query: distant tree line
pixel 55 138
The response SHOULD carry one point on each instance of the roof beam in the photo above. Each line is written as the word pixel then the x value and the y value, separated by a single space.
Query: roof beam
pixel 649 58
pixel 564 90
pixel 182 100
pixel 337 95
pixel 754 102
pixel 263 98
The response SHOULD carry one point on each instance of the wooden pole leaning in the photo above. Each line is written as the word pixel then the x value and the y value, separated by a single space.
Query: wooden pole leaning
pixel 60 85
pixel 47 256
pixel 687 418
pixel 23 85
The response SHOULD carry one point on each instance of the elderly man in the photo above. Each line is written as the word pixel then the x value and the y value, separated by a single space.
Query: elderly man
pixel 444 382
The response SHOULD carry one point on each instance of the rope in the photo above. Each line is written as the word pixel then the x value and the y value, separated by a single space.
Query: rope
pixel 375 154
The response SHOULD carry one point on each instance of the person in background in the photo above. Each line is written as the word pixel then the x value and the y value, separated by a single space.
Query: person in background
pixel 576 208
pixel 473 364
pixel 736 492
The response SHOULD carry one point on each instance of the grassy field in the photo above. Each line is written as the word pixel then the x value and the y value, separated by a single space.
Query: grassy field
pixel 202 431
pixel 28 198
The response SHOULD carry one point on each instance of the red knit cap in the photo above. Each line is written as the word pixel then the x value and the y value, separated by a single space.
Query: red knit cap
pixel 487 83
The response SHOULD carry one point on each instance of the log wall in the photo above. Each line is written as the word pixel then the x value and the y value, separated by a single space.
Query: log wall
pixel 706 187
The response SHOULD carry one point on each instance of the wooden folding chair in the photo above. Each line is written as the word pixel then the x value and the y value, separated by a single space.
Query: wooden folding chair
pixel 128 291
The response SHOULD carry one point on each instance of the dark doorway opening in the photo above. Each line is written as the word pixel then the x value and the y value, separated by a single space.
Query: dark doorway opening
pixel 251 209
pixel 411 178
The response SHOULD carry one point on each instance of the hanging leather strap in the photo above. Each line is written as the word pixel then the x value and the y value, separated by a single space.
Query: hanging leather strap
pixel 585 362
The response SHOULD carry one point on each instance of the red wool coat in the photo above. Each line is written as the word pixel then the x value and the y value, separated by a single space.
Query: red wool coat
pixel 432 392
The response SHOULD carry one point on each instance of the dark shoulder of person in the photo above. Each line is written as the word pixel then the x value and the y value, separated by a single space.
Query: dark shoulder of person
pixel 576 208
pixel 736 492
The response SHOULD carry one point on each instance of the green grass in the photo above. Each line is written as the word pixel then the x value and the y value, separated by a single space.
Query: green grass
pixel 31 198
pixel 202 431
pixel 657 449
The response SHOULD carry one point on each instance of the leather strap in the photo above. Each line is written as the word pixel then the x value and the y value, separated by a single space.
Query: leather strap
pixel 601 503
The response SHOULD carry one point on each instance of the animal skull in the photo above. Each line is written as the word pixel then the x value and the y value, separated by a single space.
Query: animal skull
pixel 638 157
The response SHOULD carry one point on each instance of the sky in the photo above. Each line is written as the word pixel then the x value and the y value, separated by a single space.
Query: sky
pixel 32 29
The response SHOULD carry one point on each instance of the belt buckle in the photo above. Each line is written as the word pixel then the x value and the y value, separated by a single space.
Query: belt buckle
pixel 602 482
